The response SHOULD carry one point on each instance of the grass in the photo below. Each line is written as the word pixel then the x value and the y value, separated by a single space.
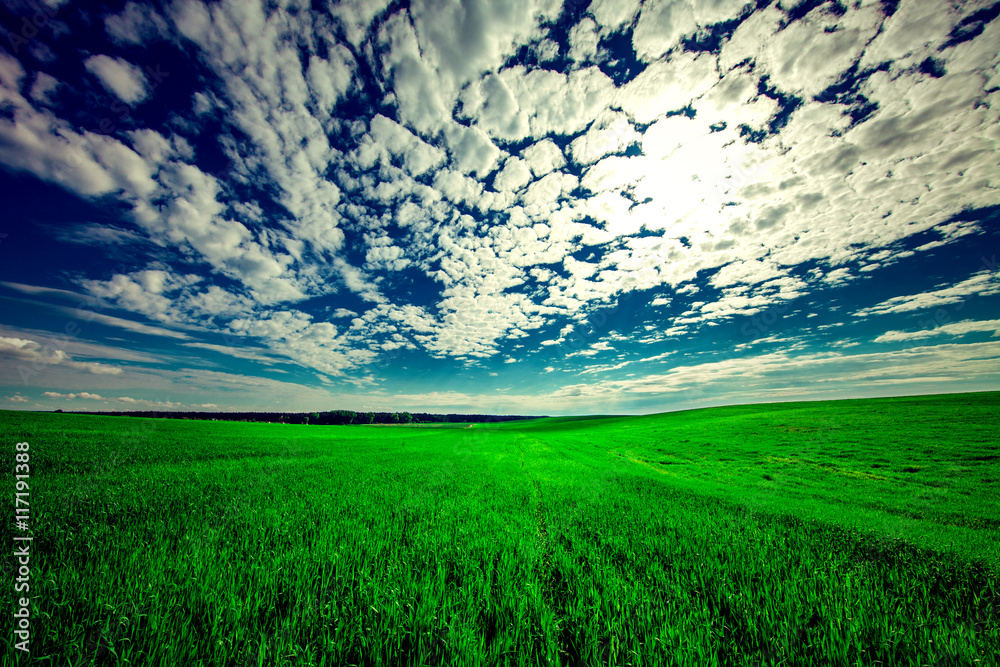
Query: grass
pixel 845 533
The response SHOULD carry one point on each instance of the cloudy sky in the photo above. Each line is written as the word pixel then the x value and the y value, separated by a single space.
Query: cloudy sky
pixel 508 206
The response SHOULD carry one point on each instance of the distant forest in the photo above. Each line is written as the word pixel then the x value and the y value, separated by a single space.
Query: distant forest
pixel 330 418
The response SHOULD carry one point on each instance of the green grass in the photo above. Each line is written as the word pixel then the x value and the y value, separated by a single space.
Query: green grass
pixel 843 533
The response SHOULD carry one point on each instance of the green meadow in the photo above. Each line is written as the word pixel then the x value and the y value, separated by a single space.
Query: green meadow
pixel 859 532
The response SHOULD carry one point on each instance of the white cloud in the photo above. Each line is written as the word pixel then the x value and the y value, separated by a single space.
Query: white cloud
pixel 76 346
pixel 97 235
pixel 466 39
pixel 356 16
pixel 547 50
pixel 611 15
pixel 668 85
pixel 384 255
pixel 981 283
pixel 583 40
pixel 287 122
pixel 119 77
pixel 118 322
pixel 136 24
pixel 954 329
pixel 610 133
pixel 540 102
pixel 735 101
pixel 472 152
pixel 330 78
pixel 514 175
pixel 44 86
pixel 663 22
pixel 31 357
pixel 89 164
pixel 145 292
pixel 83 394
pixel 493 105
pixel 242 352
pixel 810 54
pixel 750 37
pixel 543 157
pixel 911 34
pixel 147 403
pixel 387 139
pixel 814 374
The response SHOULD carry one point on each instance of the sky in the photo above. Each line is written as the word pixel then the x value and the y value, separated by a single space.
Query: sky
pixel 496 206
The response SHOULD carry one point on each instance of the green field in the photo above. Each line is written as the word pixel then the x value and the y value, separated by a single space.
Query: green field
pixel 858 532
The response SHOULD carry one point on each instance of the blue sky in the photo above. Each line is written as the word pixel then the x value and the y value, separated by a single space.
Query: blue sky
pixel 506 206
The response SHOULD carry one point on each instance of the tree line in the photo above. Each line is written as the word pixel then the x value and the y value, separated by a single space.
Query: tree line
pixel 328 418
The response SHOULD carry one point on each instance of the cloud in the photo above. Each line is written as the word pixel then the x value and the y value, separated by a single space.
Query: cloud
pixel 387 256
pixel 663 22
pixel 17 398
pixel 609 134
pixel 93 234
pixel 954 329
pixel 823 372
pixel 611 15
pixel 982 283
pixel 135 24
pixel 286 121
pixel 43 88
pixel 79 347
pixel 128 325
pixel 387 139
pixel 543 157
pixel 518 103
pixel 147 403
pixel 472 151
pixel 462 40
pixel 119 77
pixel 39 290
pixel 83 394
pixel 668 85
pixel 85 163
pixel 242 352
pixel 32 356
pixel 583 41
pixel 514 175
pixel 911 34
pixel 317 345
pixel 148 292
pixel 356 16
pixel 810 54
